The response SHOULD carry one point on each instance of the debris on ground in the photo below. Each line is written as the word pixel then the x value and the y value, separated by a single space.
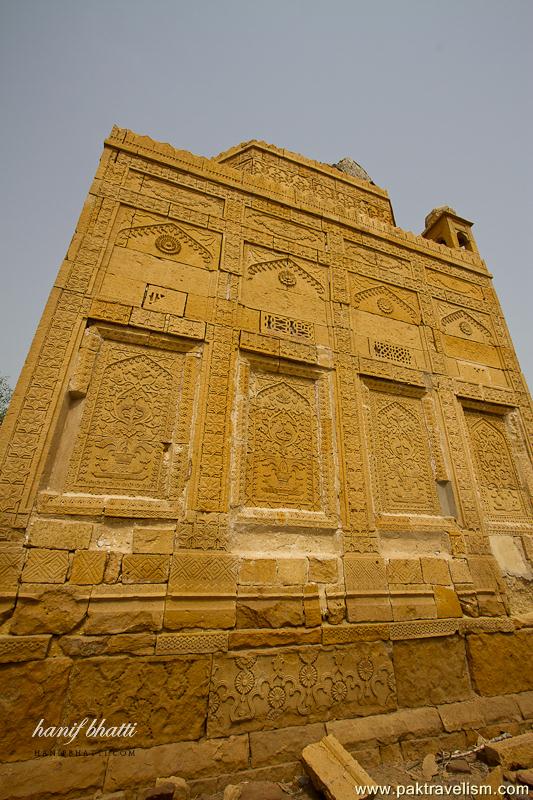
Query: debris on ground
pixel 333 770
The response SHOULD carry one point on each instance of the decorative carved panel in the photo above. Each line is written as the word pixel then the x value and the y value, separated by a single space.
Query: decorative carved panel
pixel 286 454
pixel 129 441
pixel 494 465
pixel 401 459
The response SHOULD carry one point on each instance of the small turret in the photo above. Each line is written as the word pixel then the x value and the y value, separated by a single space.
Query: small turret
pixel 445 226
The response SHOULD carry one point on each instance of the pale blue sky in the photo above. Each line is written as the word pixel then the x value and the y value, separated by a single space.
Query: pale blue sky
pixel 433 98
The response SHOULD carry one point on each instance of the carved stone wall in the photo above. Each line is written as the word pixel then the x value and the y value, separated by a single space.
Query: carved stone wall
pixel 266 470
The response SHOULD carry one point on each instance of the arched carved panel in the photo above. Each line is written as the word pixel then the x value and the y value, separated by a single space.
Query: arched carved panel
pixel 124 443
pixel 495 470
pixel 403 474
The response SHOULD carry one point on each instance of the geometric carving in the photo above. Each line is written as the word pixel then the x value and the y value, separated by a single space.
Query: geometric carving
pixel 45 566
pixel 23 648
pixel 402 465
pixel 203 574
pixel 144 568
pixel 273 323
pixel 404 570
pixel 88 567
pixel 495 469
pixel 173 643
pixel 10 564
pixel 393 352
pixel 364 572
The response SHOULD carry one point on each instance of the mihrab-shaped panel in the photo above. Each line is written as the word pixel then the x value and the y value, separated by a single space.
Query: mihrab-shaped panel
pixel 129 422
pixel 286 451
pixel 494 466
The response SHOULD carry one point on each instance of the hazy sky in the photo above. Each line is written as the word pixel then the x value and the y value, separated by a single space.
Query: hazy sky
pixel 433 98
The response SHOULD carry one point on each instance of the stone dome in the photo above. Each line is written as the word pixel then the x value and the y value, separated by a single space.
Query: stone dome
pixel 438 212
pixel 351 167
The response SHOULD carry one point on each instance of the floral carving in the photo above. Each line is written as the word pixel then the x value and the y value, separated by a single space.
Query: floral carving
pixel 494 465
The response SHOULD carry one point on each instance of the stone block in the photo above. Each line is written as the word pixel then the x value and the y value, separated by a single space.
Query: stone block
pixel 323 570
pixel 364 573
pixel 49 609
pixel 524 702
pixel 45 566
pixel 10 569
pixel 257 571
pixel 88 567
pixel 51 776
pixel 435 571
pixel 431 671
pixel 267 637
pixel 386 729
pixel 479 714
pixel 195 760
pixel 291 571
pixel 145 568
pixel 198 573
pixel 312 611
pixel 171 690
pixel 271 612
pixel 153 540
pixel 459 571
pixel 368 608
pixel 135 644
pixel 404 570
pixel 509 555
pixel 501 663
pixel 447 602
pixel 125 609
pixel 514 753
pixel 333 771
pixel 413 606
pixel 282 746
pixel 190 612
pixel 23 648
pixel 30 692
pixel 60 534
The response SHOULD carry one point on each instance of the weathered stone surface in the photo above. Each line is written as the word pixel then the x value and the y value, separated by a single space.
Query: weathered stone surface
pixel 23 648
pixel 189 612
pixel 195 760
pixel 258 570
pixel 260 690
pixel 267 637
pixel 386 729
pixel 125 609
pixel 172 691
pixel 135 644
pixel 60 534
pixel 473 714
pixel 431 671
pixel 49 610
pixel 272 612
pixel 51 776
pixel 333 770
pixel 501 663
pixel 282 746
pixel 323 570
pixel 447 602
pixel 153 540
pixel 28 693
pixel 180 787
pixel 514 753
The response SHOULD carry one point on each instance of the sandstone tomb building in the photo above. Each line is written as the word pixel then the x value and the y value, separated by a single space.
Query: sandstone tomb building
pixel 265 474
